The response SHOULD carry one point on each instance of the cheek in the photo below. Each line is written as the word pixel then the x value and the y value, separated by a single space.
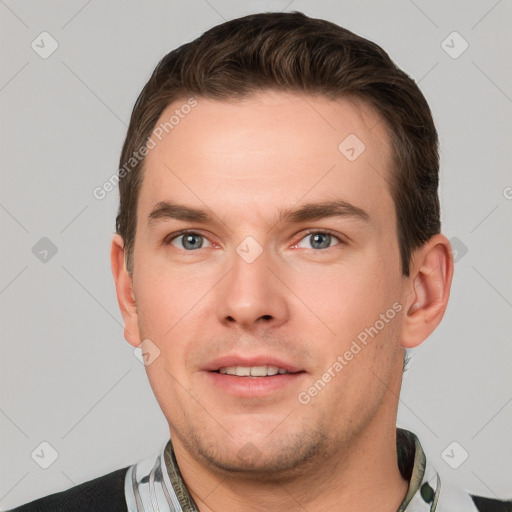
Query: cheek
pixel 165 298
pixel 339 301
pixel 329 302
pixel 172 312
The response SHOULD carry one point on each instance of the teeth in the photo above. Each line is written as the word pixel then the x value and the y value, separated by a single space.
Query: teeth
pixel 242 371
pixel 258 371
pixel 252 371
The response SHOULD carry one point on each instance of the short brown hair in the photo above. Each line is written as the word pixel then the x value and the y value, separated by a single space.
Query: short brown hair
pixel 294 53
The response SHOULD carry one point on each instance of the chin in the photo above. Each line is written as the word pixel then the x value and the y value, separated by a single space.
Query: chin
pixel 276 460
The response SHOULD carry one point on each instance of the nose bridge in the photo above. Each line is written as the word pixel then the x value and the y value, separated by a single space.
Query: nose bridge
pixel 251 293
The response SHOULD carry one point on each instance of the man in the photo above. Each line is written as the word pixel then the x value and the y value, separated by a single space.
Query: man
pixel 278 248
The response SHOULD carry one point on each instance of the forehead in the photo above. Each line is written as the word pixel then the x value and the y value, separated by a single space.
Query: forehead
pixel 268 152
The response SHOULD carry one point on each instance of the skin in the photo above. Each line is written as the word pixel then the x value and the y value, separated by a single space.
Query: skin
pixel 244 162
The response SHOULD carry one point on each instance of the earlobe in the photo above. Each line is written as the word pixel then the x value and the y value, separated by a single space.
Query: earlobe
pixel 429 290
pixel 124 290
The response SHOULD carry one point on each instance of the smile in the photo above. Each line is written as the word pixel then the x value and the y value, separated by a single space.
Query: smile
pixel 252 371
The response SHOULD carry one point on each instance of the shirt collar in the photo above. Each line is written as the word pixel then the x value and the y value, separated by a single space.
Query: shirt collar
pixel 424 483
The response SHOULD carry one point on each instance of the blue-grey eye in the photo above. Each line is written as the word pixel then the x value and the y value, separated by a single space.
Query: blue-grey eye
pixel 317 240
pixel 188 241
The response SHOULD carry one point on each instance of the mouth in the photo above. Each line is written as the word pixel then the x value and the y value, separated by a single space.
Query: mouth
pixel 253 377
pixel 254 371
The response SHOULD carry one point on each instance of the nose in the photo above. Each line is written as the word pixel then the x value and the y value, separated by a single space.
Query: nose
pixel 252 295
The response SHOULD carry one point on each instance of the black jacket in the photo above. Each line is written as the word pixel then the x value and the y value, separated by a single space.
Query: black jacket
pixel 103 494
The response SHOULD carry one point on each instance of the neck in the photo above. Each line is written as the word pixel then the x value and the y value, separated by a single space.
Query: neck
pixel 361 475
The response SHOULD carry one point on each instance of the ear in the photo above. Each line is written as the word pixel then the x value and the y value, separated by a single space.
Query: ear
pixel 124 290
pixel 427 291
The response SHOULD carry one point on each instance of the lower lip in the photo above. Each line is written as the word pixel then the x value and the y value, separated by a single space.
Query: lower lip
pixel 253 387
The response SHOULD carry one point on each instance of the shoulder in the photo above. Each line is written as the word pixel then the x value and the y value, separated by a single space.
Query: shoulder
pixel 454 498
pixel 103 494
pixel 491 505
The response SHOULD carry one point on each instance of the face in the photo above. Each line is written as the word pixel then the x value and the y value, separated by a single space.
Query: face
pixel 267 277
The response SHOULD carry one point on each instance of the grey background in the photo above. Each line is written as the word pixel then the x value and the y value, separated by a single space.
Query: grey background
pixel 68 377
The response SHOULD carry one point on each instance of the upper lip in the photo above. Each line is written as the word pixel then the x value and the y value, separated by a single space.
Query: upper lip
pixel 246 360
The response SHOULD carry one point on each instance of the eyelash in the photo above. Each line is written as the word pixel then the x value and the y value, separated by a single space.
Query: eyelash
pixel 173 236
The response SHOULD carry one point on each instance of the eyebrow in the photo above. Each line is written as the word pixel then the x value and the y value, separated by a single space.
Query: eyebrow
pixel 307 212
pixel 170 210
pixel 324 210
